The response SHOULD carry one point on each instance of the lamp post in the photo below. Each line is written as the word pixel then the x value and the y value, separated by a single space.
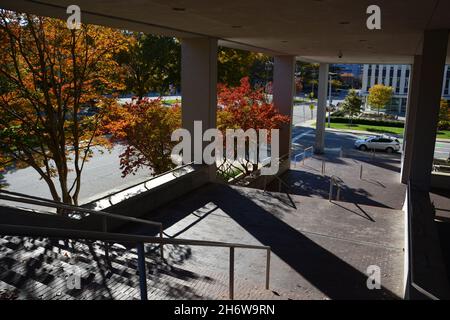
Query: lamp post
pixel 330 74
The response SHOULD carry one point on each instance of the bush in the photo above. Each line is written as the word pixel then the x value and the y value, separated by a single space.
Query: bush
pixel 444 125
pixel 396 124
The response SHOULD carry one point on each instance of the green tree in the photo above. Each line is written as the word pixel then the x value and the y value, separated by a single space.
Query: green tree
pixel 235 64
pixel 152 63
pixel 444 115
pixel 444 111
pixel 352 104
pixel 379 96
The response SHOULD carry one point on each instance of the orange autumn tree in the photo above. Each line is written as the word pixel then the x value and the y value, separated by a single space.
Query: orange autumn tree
pixel 243 107
pixel 145 126
pixel 50 76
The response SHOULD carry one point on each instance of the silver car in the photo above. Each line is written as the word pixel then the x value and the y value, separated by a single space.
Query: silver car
pixel 386 143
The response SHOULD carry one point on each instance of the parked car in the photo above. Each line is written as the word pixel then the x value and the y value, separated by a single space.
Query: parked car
pixel 386 143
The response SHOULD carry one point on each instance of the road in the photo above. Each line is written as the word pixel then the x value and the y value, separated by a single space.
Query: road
pixel 102 173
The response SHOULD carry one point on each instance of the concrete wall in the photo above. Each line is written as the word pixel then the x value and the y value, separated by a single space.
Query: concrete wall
pixel 19 216
pixel 145 202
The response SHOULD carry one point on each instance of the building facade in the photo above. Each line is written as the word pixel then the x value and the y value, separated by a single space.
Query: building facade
pixel 398 77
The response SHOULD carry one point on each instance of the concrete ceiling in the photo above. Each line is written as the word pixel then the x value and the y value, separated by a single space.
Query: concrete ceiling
pixel 313 30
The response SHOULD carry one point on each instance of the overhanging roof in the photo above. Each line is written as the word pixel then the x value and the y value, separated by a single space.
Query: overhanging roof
pixel 314 30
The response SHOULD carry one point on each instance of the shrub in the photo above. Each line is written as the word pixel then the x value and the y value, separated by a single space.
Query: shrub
pixel 444 125
pixel 396 124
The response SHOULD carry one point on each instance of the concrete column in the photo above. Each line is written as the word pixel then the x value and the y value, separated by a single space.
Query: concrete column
pixel 199 85
pixel 372 75
pixel 423 109
pixel 321 108
pixel 402 79
pixel 283 97
pixel 365 78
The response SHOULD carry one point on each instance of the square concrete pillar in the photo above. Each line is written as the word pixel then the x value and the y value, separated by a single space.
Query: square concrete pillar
pixel 319 146
pixel 411 112
pixel 424 104
pixel 283 97
pixel 199 86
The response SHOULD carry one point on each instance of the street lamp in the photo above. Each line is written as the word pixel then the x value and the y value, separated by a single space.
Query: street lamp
pixel 330 74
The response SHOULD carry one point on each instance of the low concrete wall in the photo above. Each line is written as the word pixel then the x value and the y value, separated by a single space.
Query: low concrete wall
pixel 440 180
pixel 425 272
pixel 144 202
pixel 20 216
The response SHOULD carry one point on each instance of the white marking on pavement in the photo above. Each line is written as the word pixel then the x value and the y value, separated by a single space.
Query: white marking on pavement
pixel 296 138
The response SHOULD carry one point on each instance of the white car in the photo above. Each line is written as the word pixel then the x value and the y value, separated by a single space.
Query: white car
pixel 386 143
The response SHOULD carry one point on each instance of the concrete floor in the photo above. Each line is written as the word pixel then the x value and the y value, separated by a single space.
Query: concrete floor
pixel 379 185
pixel 321 250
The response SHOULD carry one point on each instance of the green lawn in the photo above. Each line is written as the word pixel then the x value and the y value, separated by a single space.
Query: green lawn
pixel 380 129
pixel 171 101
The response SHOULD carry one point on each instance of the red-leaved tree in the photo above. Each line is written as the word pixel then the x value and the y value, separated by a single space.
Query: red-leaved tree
pixel 244 107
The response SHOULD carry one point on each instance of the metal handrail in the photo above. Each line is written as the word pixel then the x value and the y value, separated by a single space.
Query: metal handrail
pixel 24 198
pixel 146 181
pixel 27 231
pixel 303 154
pixel 335 180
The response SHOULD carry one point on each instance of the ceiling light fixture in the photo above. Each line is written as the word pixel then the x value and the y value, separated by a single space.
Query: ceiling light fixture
pixel 178 9
pixel 236 27
pixel 344 22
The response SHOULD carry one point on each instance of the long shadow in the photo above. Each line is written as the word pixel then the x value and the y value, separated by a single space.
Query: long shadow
pixel 364 214
pixel 308 184
pixel 323 269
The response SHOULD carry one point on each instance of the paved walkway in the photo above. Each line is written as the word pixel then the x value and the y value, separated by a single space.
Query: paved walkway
pixel 379 186
pixel 320 249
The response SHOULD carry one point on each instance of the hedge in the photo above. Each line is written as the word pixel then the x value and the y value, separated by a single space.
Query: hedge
pixel 384 123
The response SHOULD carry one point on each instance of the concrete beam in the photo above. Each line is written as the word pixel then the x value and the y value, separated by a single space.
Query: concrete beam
pixel 423 116
pixel 321 108
pixel 199 85
pixel 283 97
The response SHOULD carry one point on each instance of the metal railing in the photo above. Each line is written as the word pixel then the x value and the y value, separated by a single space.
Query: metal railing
pixel 303 154
pixel 147 181
pixel 24 198
pixel 139 241
pixel 335 181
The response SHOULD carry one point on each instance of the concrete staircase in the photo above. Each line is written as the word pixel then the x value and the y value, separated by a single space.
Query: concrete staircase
pixel 42 269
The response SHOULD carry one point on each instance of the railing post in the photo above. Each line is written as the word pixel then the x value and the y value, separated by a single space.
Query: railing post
pixel 105 229
pixel 142 272
pixel 161 246
pixel 323 167
pixel 268 269
pixel 331 189
pixel 360 172
pixel 338 193
pixel 231 289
